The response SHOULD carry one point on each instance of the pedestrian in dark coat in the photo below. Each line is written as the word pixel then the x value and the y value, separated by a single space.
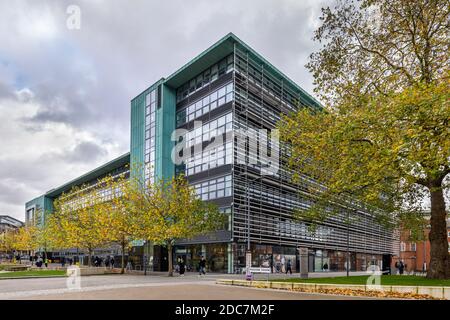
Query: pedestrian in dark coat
pixel 202 266
pixel 181 267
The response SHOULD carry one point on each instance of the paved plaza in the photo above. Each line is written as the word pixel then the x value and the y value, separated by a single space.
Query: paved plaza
pixel 146 287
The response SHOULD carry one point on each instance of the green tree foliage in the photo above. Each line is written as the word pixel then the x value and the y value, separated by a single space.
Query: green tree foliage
pixel 391 154
pixel 383 71
pixel 379 46
pixel 170 210
pixel 120 223
pixel 77 221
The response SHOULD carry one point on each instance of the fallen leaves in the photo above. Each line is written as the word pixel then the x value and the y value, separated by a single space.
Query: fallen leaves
pixel 370 293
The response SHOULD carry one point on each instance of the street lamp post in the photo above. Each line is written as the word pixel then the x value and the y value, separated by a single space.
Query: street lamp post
pixel 145 258
pixel 248 256
pixel 348 244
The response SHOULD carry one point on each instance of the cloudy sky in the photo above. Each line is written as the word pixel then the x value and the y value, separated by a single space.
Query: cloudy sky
pixel 65 93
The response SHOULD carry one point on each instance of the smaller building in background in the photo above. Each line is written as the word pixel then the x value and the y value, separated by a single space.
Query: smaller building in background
pixel 415 255
pixel 9 223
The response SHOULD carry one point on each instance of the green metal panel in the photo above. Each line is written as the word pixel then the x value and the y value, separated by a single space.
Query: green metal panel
pixel 220 50
pixel 91 175
pixel 137 143
pixel 43 206
pixel 165 125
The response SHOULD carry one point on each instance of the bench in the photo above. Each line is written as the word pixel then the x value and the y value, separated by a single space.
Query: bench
pixel 16 267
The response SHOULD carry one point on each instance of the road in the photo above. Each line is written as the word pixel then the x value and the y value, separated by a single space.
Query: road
pixel 146 287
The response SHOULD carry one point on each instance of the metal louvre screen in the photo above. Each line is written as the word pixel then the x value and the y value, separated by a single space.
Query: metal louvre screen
pixel 268 200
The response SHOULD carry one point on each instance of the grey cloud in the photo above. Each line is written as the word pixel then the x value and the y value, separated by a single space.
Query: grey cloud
pixel 12 193
pixel 5 91
pixel 86 78
pixel 86 151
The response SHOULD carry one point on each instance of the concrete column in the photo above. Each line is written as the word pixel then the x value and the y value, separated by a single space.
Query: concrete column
pixel 303 252
pixel 230 257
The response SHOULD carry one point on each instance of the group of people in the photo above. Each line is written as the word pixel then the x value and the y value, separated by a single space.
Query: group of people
pixel 64 261
pixel 201 266
pixel 401 267
pixel 109 261
pixel 39 261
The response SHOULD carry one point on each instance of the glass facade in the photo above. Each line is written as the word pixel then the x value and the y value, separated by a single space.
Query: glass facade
pixel 205 104
pixel 203 79
pixel 232 89
pixel 150 135
pixel 214 188
pixel 216 255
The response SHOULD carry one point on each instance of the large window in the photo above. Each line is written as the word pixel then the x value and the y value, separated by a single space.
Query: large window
pixel 209 130
pixel 209 75
pixel 150 134
pixel 206 104
pixel 209 159
pixel 29 216
pixel 215 188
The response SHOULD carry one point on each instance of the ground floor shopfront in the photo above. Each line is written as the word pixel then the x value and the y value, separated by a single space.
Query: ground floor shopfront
pixel 231 258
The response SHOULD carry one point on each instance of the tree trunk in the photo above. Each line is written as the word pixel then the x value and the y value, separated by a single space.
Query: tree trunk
pixel 439 264
pixel 122 270
pixel 169 257
pixel 89 258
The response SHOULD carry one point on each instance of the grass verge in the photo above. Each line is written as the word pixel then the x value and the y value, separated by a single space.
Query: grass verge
pixel 38 273
pixel 393 280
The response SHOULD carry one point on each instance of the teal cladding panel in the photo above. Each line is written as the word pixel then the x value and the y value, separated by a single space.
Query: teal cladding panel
pixel 137 143
pixel 43 206
pixel 221 49
pixel 165 125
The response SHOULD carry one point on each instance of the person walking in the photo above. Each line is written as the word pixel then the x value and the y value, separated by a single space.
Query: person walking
pixel 401 267
pixel 289 267
pixel 63 262
pixel 39 262
pixel 46 262
pixel 112 262
pixel 181 267
pixel 202 266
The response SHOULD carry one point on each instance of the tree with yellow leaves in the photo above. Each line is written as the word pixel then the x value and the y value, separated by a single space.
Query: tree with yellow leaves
pixel 390 155
pixel 171 210
pixel 8 241
pixel 383 71
pixel 77 220
pixel 27 238
pixel 119 223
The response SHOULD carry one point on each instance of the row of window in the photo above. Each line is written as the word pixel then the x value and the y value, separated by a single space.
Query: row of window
pixel 215 188
pixel 150 132
pixel 274 87
pixel 206 77
pixel 209 130
pixel 206 104
pixel 210 159
pixel 412 246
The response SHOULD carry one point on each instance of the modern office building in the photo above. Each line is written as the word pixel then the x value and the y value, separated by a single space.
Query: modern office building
pixel 220 105
pixel 8 223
